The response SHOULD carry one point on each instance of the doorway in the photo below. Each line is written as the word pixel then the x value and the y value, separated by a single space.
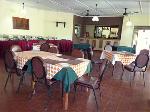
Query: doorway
pixel 141 38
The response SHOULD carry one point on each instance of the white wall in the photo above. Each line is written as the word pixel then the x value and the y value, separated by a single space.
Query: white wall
pixel 127 31
pixel 61 32
pixel 41 22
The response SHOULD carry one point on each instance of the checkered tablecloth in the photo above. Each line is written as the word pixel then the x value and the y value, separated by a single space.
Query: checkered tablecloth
pixel 125 57
pixel 54 62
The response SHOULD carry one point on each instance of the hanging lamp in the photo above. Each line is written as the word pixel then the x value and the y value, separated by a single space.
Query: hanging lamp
pixel 95 18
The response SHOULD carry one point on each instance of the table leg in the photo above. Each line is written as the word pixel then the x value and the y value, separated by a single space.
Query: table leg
pixel 33 87
pixel 113 69
pixel 66 101
pixel 122 71
pixel 32 84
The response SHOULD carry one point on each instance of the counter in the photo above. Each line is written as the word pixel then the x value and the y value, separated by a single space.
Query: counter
pixel 99 43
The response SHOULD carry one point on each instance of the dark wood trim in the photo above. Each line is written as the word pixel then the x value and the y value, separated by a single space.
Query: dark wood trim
pixel 141 27
pixel 103 21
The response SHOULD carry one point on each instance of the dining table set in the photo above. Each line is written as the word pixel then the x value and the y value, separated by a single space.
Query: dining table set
pixel 118 58
pixel 60 67
pixel 124 57
pixel 68 69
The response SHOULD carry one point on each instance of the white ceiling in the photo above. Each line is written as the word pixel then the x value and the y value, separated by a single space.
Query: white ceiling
pixel 79 7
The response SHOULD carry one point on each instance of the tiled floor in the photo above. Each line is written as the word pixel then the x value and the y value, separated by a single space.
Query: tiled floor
pixel 117 95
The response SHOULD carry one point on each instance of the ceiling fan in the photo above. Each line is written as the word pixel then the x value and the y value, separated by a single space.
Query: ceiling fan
pixel 94 17
pixel 126 13
pixel 87 13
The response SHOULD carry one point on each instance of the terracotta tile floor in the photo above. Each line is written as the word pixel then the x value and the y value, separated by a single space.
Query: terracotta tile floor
pixel 117 95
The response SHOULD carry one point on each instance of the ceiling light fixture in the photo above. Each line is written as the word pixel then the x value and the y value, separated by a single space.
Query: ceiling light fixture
pixel 129 23
pixel 95 18
pixel 23 9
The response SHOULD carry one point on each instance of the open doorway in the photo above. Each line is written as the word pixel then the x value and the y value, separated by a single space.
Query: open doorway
pixel 141 38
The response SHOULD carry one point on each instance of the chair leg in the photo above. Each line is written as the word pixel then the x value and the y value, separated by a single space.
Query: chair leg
pixel 133 76
pixel 144 78
pixel 75 89
pixel 47 86
pixel 130 80
pixel 122 72
pixel 95 97
pixel 20 83
pixel 33 91
pixel 100 92
pixel 49 91
pixel 143 75
pixel 62 89
pixel 9 75
pixel 24 78
pixel 140 73
pixel 113 70
pixel 34 88
pixel 97 70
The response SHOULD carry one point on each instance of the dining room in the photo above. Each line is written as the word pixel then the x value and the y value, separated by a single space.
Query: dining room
pixel 74 56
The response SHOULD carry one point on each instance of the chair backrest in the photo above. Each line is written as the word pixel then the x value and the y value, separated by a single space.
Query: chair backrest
pixel 144 51
pixel 141 60
pixel 102 68
pixel 15 48
pixel 90 53
pixel 53 50
pixel 42 42
pixel 77 53
pixel 108 47
pixel 44 47
pixel 38 69
pixel 9 60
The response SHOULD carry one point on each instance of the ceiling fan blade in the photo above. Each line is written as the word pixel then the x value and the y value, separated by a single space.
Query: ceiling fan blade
pixel 87 13
pixel 125 14
pixel 135 12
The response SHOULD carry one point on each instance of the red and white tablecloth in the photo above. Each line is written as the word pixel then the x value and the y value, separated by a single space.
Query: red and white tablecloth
pixel 54 62
pixel 125 57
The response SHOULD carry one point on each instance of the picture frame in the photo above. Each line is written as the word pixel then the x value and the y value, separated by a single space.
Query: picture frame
pixel 20 23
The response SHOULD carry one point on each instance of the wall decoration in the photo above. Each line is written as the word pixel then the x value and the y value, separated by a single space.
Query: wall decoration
pixel 60 23
pixel 20 23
